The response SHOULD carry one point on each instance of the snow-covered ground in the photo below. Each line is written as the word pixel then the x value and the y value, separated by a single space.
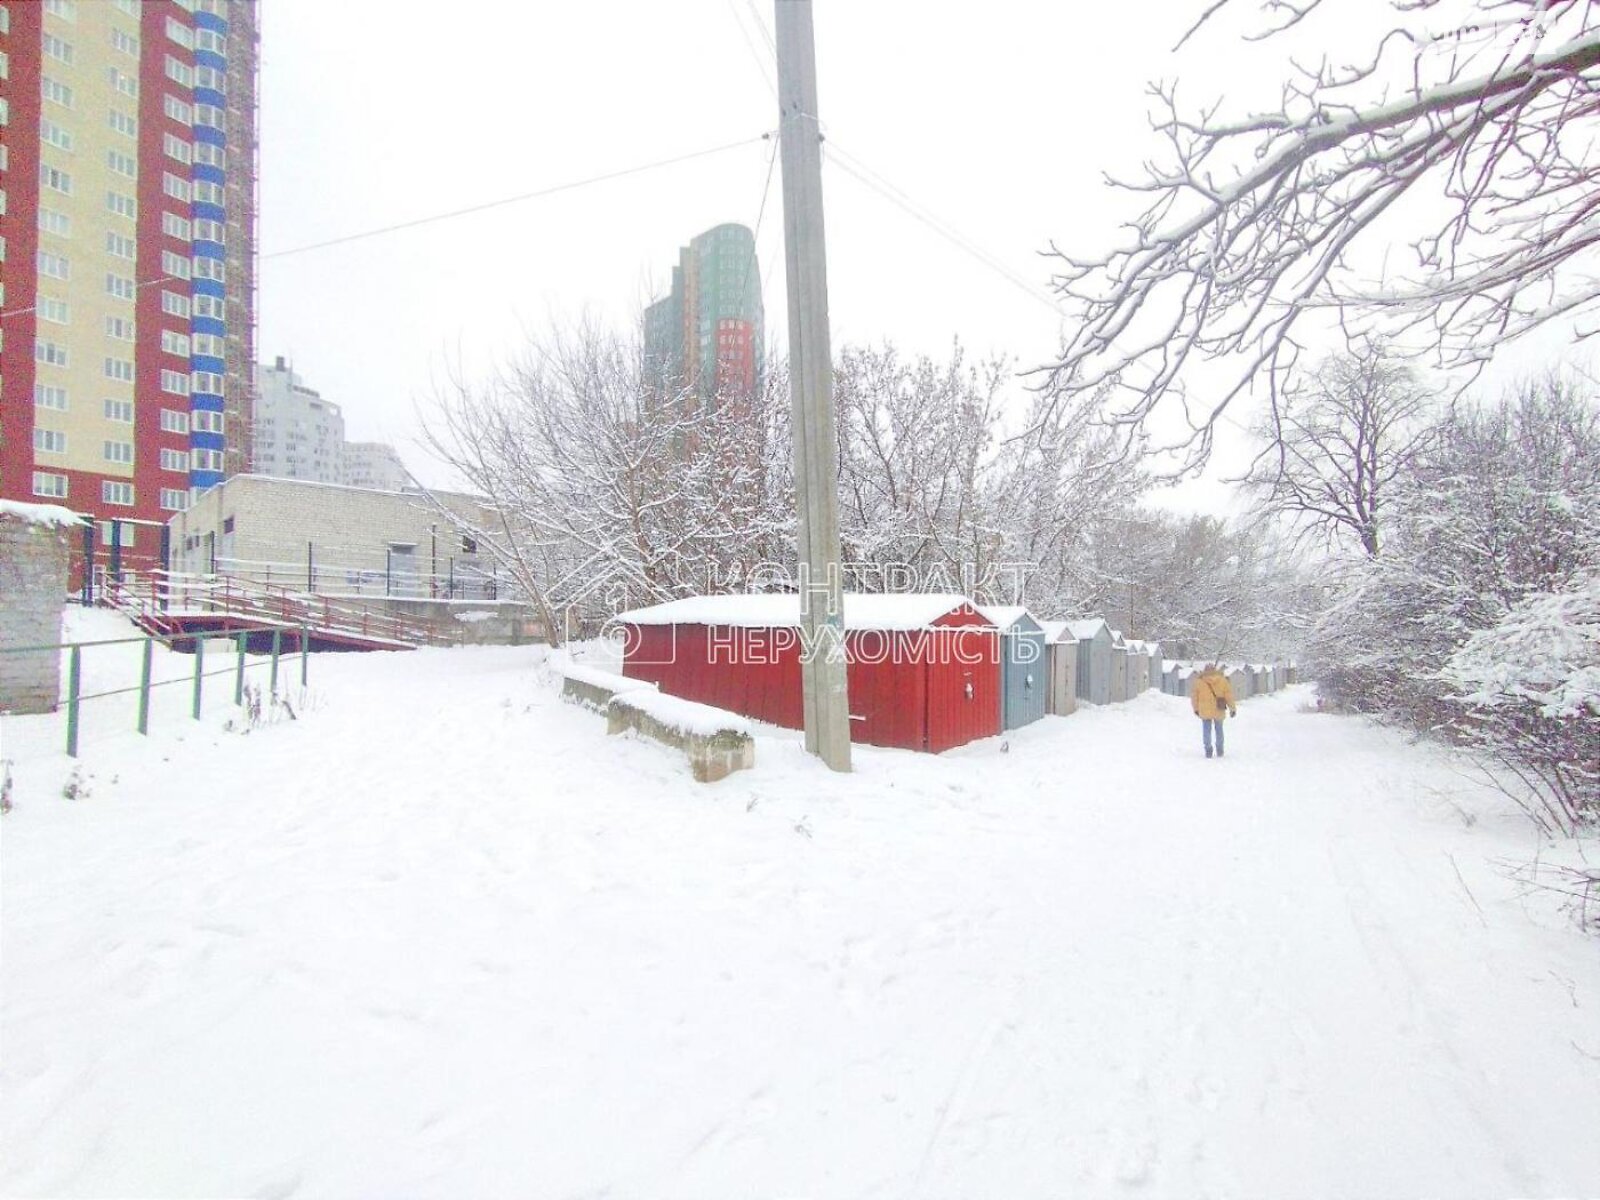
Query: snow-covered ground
pixel 442 937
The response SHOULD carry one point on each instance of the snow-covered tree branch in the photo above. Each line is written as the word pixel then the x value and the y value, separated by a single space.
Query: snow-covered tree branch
pixel 1470 128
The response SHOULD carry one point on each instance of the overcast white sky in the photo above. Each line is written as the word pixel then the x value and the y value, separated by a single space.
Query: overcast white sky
pixel 1000 118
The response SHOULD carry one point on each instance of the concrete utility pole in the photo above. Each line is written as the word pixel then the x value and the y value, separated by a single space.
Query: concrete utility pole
pixel 816 446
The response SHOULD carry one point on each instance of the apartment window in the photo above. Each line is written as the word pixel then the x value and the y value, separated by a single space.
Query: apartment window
pixel 120 369
pixel 175 499
pixel 210 383
pixel 174 305
pixel 123 123
pixel 175 266
pixel 123 85
pixel 48 483
pixel 208 344
pixel 175 226
pixel 131 7
pixel 176 147
pixel 122 164
pixel 209 306
pixel 5 20
pixel 173 342
pixel 211 156
pixel 174 186
pixel 57 49
pixel 174 460
pixel 67 10
pixel 51 396
pixel 53 222
pixel 51 354
pixel 125 42
pixel 119 286
pixel 55 179
pixel 121 247
pixel 210 39
pixel 210 268
pixel 54 135
pixel 178 110
pixel 206 421
pixel 206 460
pixel 208 114
pixel 180 73
pixel 122 205
pixel 5 105
pixel 117 452
pixel 117 493
pixel 176 382
pixel 120 328
pixel 174 421
pixel 55 266
pixel 51 309
pixel 180 33
pixel 56 92
pixel 209 193
pixel 210 77
pixel 119 410
pixel 49 441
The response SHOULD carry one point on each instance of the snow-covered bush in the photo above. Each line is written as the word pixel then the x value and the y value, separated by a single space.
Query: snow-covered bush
pixel 1530 688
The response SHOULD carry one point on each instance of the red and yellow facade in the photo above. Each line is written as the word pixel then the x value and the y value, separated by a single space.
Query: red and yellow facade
pixel 120 371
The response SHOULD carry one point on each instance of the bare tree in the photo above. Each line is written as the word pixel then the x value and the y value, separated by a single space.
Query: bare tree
pixel 1336 442
pixel 1488 120
pixel 606 491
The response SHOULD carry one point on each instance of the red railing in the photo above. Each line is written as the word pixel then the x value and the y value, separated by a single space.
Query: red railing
pixel 158 600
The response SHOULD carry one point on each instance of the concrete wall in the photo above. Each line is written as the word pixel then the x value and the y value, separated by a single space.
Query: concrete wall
pixel 33 589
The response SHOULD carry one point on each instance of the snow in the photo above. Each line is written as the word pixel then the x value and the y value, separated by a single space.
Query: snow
pixel 441 936
pixel 40 514
pixel 1004 616
pixel 608 680
pixel 861 610
pixel 1056 631
pixel 1084 631
pixel 686 716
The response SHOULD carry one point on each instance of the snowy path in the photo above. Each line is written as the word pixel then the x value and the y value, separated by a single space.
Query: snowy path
pixel 442 937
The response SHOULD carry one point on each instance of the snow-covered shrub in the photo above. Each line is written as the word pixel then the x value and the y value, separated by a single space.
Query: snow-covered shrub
pixel 1530 690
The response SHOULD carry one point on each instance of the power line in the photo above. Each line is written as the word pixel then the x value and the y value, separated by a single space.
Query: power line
pixel 517 199
pixel 755 238
pixel 853 166
pixel 459 212
pixel 761 63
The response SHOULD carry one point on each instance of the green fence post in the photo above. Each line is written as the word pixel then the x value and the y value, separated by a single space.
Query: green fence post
pixel 305 653
pixel 277 648
pixel 74 676
pixel 199 672
pixel 238 675
pixel 144 686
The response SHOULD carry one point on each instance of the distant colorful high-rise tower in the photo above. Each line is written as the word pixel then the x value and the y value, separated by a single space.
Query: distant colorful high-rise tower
pixel 127 213
pixel 706 337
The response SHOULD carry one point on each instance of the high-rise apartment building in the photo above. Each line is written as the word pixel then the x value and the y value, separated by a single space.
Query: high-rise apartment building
pixel 127 234
pixel 297 434
pixel 706 336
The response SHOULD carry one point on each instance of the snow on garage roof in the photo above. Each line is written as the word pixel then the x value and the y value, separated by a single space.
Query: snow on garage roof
pixel 1057 631
pixel 1005 615
pixel 861 610
pixel 1087 629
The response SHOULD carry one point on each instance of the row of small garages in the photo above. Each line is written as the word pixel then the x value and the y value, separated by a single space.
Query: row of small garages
pixel 1248 680
pixel 925 672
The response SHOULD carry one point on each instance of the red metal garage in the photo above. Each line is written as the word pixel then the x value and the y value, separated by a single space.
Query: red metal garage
pixel 924 670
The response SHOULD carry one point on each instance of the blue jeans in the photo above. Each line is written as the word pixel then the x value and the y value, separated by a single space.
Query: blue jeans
pixel 1205 734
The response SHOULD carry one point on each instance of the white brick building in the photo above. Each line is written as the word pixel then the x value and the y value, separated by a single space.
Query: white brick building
pixel 334 540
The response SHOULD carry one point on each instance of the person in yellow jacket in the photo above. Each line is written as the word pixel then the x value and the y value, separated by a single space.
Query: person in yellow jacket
pixel 1212 699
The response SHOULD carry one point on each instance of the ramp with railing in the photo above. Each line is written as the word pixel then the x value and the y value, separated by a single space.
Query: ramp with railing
pixel 176 605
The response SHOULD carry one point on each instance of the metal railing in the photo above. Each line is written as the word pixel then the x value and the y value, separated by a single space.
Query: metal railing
pixel 238 641
pixel 158 600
